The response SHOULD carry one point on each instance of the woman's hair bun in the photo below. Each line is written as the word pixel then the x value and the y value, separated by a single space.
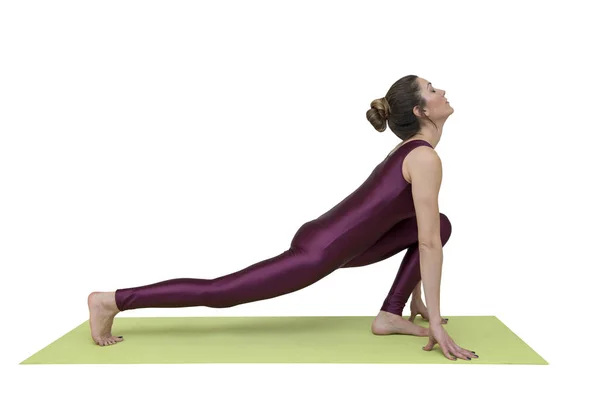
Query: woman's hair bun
pixel 379 113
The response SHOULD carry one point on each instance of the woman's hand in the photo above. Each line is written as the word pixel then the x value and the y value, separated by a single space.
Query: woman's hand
pixel 418 307
pixel 437 334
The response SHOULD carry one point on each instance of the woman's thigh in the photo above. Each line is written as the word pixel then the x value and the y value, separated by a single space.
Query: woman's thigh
pixel 399 238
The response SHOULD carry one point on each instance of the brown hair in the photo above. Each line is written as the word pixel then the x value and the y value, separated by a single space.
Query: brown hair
pixel 396 108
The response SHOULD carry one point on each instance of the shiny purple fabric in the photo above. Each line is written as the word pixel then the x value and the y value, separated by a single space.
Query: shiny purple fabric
pixel 373 223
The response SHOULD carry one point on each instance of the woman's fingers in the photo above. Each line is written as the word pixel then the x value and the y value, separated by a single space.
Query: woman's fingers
pixel 430 344
pixel 449 348
pixel 452 350
pixel 460 352
pixel 446 350
pixel 466 352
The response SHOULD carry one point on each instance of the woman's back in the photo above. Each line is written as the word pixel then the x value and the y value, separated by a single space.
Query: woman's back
pixel 355 223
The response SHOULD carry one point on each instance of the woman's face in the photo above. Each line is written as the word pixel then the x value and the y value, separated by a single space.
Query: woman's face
pixel 436 103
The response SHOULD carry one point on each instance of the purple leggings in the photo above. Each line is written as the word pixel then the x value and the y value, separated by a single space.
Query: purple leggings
pixel 303 264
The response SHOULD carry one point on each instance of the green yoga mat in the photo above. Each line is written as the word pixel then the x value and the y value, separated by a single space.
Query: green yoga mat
pixel 340 339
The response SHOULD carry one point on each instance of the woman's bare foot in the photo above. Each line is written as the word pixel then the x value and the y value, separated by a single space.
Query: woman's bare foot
pixel 103 309
pixel 389 324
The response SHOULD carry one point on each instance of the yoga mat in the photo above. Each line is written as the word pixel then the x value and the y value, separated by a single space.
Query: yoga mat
pixel 337 339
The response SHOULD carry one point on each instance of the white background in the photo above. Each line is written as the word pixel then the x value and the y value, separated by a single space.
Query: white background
pixel 146 141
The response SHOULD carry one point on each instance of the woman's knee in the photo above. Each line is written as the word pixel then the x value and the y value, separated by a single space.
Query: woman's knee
pixel 445 228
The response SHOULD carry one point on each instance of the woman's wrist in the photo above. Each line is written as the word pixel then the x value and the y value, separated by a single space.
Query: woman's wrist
pixel 435 319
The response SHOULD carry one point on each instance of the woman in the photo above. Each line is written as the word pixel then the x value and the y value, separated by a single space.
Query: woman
pixel 396 208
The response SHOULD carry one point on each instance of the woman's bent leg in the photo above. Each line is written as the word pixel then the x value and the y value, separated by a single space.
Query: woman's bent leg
pixel 403 235
pixel 290 271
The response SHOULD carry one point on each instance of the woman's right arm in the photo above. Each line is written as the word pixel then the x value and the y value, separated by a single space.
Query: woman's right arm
pixel 425 171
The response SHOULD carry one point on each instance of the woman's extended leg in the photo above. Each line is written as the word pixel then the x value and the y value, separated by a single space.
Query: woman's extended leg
pixel 290 271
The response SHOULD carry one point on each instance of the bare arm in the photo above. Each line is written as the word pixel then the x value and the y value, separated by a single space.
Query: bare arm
pixel 431 274
pixel 425 170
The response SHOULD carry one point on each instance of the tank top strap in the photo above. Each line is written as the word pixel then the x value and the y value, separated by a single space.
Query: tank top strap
pixel 419 141
pixel 411 145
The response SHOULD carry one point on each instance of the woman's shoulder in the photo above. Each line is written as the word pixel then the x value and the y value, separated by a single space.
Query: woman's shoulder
pixel 422 156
